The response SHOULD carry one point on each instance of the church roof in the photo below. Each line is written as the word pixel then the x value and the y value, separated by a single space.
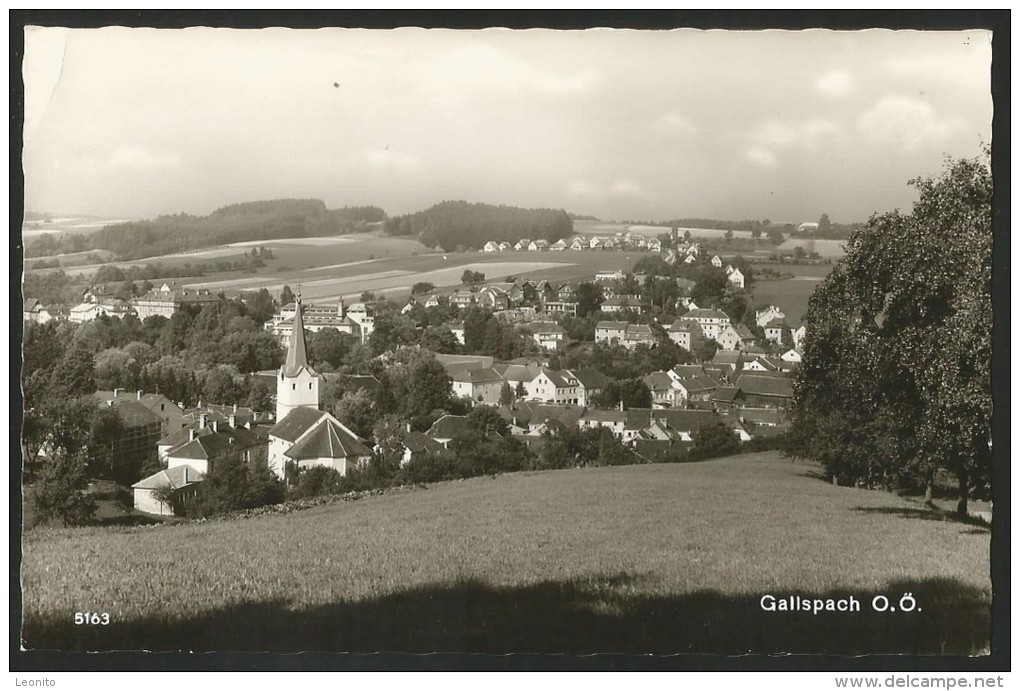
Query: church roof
pixel 296 423
pixel 297 352
pixel 328 440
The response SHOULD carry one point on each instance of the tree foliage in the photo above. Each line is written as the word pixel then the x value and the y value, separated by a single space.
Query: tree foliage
pixel 895 382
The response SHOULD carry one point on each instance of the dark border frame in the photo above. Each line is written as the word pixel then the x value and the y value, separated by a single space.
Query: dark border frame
pixel 998 21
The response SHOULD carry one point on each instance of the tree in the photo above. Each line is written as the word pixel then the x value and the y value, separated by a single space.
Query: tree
pixel 713 441
pixel 428 387
pixel 422 288
pixel 824 223
pixel 487 421
pixel 62 489
pixel 355 409
pixel 469 277
pixel 287 296
pixel 775 236
pixel 905 324
pixel 75 374
pixel 506 394
pixel 589 299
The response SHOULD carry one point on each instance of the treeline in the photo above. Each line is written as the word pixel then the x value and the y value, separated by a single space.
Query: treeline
pixel 266 220
pixel 454 225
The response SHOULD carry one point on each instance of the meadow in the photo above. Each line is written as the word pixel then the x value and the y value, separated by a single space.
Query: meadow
pixel 638 559
pixel 790 295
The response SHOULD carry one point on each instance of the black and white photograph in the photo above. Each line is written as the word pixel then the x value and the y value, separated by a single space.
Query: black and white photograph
pixel 501 341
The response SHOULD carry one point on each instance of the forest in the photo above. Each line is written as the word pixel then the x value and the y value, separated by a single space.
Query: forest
pixel 264 220
pixel 454 225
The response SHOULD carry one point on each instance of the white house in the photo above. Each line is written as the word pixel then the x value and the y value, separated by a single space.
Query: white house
pixel 610 332
pixel 792 355
pixel 729 339
pixel 553 386
pixel 490 246
pixel 710 320
pixel 680 332
pixel 547 335
pixel 577 245
pixel 717 262
pixel 182 480
pixel 764 316
pixel 734 276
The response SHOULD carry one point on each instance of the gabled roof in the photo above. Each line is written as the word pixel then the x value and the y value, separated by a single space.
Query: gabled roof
pixel 515 373
pixel 725 394
pixel 744 332
pixel 536 413
pixel 31 304
pixel 176 477
pixel 134 414
pixel 765 385
pixel 477 376
pixel 726 357
pixel 682 325
pixel 328 440
pixel 709 313
pixel 296 423
pixel 543 328
pixel 687 371
pixel 658 381
pixel 776 323
pixel 417 442
pixel 699 383
pixel 447 427
pixel 614 326
pixel 639 330
pixel 590 378
pixel 558 378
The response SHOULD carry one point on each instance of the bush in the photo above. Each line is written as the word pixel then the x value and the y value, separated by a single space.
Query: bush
pixel 713 441
pixel 231 485
pixel 317 482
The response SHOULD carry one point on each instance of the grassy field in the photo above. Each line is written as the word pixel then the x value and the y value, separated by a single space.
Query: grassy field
pixel 640 559
pixel 790 295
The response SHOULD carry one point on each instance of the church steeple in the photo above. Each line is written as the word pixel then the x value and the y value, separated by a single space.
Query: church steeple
pixel 297 351
pixel 298 384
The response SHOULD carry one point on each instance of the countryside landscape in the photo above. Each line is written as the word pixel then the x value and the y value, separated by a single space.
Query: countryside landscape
pixel 618 420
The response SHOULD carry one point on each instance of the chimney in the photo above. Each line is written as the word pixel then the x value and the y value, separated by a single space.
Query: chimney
pixel 232 420
pixel 201 421
pixel 621 404
pixel 185 473
pixel 408 427
pixel 235 408
pixel 341 310
pixel 138 394
pixel 117 392
pixel 192 433
pixel 215 425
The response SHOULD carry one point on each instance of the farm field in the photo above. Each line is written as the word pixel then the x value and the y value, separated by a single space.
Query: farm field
pixel 395 275
pixel 791 296
pixel 638 559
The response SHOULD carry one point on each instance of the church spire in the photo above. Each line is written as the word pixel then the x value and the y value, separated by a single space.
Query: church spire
pixel 297 353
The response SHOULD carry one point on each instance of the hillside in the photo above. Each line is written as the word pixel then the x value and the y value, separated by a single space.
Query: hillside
pixel 660 558
pixel 459 224
pixel 252 221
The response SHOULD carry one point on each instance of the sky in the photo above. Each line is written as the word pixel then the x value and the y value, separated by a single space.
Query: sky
pixel 620 124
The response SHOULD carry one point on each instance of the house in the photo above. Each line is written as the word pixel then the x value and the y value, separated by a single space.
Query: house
pixel 171 298
pixel 34 311
pixel 609 276
pixel 717 262
pixel 774 330
pixel 169 413
pixel 493 298
pixel 764 316
pixel 203 444
pixel 577 245
pixel 734 276
pixel 611 333
pixel 538 245
pixel 454 363
pixel 763 417
pixel 746 337
pixel 629 425
pixel 681 332
pixel 559 245
pixel 303 435
pixel 798 335
pixel 110 307
pixel 654 245
pixel 490 246
pixel 729 339
pixel 462 299
pixel 730 361
pixel 763 391
pixel 562 299
pixel 357 321
pixel 553 386
pixel 595 243
pixel 446 428
pixel 620 303
pixel 609 244
pixel 694 388
pixel 664 393
pixel 137 443
pixel 726 398
pixel 711 321
pixel 457 329
pixel 690 258
pixel 534 418
pixel 761 363
pixel 639 334
pixel 807 227
pixel 148 493
pixel 418 445
pixel 479 385
pixel 505 247
pixel 546 335
pixel 522 245
pixel 590 383
pixel 793 356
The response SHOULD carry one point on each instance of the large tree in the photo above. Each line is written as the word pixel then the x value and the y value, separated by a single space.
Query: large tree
pixel 895 383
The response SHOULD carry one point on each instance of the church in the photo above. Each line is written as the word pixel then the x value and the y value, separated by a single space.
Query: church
pixel 303 434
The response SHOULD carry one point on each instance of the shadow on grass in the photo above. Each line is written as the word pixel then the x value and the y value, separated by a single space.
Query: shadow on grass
pixel 927 514
pixel 597 614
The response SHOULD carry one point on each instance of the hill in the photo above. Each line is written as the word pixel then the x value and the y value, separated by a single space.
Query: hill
pixel 641 559
pixel 251 221
pixel 454 224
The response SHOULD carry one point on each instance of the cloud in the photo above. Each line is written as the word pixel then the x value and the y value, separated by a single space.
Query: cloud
pixel 140 159
pixel 835 84
pixel 772 137
pixel 905 123
pixel 389 160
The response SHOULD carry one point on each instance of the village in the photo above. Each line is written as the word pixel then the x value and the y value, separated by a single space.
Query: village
pixel 714 371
